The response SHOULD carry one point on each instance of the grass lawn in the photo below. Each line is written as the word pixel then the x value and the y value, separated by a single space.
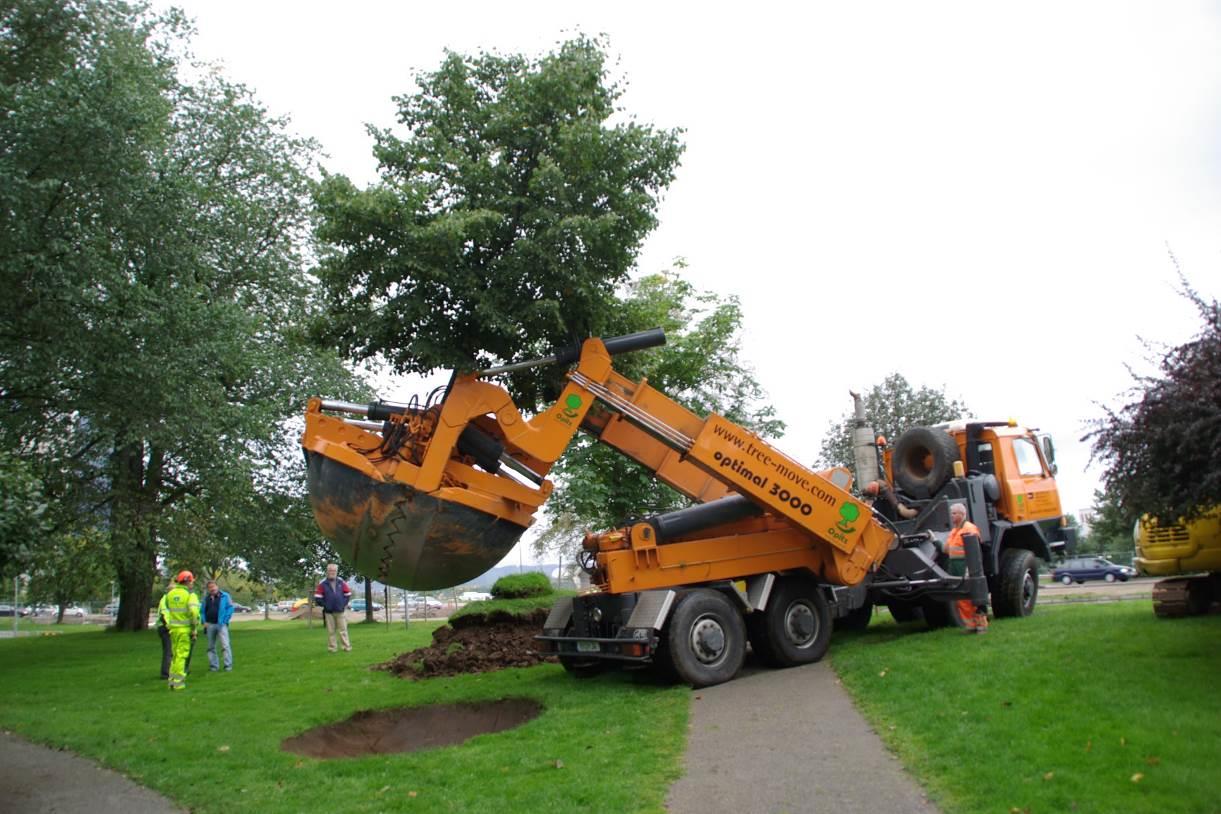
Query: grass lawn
pixel 216 747
pixel 1086 708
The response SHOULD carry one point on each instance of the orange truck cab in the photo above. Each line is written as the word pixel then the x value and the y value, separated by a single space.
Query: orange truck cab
pixel 1005 476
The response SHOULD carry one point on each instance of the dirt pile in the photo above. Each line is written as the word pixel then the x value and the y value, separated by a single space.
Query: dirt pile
pixel 475 643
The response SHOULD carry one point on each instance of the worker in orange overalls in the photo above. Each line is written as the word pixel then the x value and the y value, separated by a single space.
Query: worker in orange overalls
pixel 974 617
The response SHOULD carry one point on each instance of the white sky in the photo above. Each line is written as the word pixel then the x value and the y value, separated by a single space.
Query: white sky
pixel 977 195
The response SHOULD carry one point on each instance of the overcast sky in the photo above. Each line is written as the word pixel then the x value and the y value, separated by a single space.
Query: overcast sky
pixel 979 196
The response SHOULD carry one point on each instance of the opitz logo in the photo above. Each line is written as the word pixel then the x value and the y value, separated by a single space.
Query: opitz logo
pixel 848 514
pixel 569 411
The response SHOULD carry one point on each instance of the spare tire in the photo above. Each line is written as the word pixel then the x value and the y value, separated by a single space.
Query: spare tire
pixel 923 460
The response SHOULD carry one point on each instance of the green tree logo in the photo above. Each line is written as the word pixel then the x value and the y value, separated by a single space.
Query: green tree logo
pixel 848 514
pixel 573 401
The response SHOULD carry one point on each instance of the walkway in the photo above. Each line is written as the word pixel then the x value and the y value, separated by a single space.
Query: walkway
pixel 788 742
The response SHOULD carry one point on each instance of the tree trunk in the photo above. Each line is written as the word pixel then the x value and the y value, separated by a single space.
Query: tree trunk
pixel 368 600
pixel 135 593
pixel 133 540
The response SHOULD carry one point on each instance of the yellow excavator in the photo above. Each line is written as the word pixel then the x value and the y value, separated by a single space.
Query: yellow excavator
pixel 1189 553
pixel 432 493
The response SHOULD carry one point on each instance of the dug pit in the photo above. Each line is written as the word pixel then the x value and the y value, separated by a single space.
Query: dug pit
pixel 386 731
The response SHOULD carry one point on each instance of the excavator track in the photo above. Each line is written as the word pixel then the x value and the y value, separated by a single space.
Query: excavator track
pixel 1182 596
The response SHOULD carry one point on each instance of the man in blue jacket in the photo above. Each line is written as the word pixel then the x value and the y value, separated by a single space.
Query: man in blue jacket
pixel 333 595
pixel 217 611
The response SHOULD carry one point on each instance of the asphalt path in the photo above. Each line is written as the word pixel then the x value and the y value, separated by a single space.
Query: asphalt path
pixel 38 780
pixel 788 742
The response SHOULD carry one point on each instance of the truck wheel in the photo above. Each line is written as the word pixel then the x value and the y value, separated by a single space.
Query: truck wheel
pixel 1066 579
pixel 939 614
pixel 924 460
pixel 905 612
pixel 1018 587
pixel 706 638
pixel 856 619
pixel 796 626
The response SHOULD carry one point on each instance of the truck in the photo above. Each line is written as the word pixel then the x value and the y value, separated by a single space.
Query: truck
pixel 434 492
pixel 1189 553
pixel 1005 476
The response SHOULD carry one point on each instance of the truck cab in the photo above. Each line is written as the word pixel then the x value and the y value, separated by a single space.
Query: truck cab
pixel 1005 475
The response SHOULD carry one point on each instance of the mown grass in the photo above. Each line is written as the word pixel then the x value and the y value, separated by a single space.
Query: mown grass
pixel 216 747
pixel 520 606
pixel 1088 708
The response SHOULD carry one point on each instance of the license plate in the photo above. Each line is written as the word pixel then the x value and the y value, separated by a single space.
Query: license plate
pixel 588 647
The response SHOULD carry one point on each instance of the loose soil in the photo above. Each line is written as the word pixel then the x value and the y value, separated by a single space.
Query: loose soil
pixel 475 643
pixel 386 731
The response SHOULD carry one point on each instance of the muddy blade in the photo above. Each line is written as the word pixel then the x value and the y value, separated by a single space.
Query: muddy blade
pixel 395 535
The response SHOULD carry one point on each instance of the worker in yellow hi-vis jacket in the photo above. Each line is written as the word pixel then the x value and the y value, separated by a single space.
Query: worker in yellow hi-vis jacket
pixel 182 618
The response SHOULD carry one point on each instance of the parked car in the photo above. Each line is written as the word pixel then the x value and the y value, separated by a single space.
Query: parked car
pixel 6 610
pixel 240 608
pixel 426 603
pixel 74 610
pixel 1080 569
pixel 358 605
pixel 112 609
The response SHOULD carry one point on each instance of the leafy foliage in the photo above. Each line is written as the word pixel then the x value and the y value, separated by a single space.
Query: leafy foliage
pixel 155 330
pixel 23 514
pixel 1162 450
pixel 891 407
pixel 518 586
pixel 504 219
pixel 1110 530
pixel 68 565
pixel 699 367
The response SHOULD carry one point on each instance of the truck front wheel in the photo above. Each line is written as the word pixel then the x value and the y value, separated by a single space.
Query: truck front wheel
pixel 940 613
pixel 1017 589
pixel 706 638
pixel 796 626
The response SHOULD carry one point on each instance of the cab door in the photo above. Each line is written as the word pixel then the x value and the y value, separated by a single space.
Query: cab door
pixel 1031 483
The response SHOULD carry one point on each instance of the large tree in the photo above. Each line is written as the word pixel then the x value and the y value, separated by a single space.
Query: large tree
pixel 699 367
pixel 1162 449
pixel 507 213
pixel 155 320
pixel 891 407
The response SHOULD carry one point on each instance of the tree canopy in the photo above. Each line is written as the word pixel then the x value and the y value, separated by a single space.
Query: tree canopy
pixel 1162 449
pixel 505 217
pixel 699 367
pixel 155 324
pixel 891 407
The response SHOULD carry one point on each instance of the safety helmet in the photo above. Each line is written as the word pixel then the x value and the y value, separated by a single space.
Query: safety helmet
pixel 184 577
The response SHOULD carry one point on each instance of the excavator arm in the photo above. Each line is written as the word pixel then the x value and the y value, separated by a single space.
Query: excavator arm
pixel 436 494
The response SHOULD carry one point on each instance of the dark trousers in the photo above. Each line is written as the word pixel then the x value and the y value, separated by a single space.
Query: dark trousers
pixel 167 652
pixel 166 648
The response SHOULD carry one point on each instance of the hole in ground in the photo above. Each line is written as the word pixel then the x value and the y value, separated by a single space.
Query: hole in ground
pixel 409 729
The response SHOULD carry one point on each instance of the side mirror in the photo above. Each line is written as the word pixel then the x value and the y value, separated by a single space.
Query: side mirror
pixel 1049 454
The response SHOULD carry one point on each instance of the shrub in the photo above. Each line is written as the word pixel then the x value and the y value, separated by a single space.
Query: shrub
pixel 516 586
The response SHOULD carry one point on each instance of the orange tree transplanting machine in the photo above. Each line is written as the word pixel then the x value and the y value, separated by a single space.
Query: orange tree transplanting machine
pixel 431 495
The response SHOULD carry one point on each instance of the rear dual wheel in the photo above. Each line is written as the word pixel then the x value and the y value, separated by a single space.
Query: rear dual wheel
pixel 795 628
